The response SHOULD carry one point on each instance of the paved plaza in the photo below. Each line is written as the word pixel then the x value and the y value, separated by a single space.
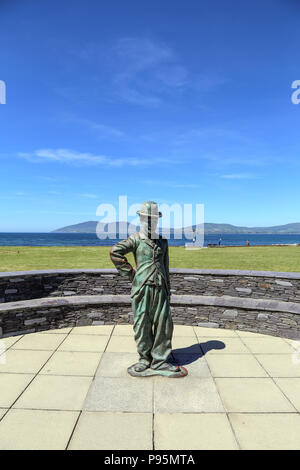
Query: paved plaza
pixel 69 389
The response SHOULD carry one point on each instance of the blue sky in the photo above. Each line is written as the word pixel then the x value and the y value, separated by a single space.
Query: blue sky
pixel 180 102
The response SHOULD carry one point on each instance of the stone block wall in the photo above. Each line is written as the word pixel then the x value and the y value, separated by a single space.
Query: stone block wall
pixel 261 316
pixel 244 284
pixel 263 302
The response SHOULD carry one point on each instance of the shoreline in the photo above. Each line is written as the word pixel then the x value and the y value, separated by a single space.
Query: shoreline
pixel 250 246
pixel 170 246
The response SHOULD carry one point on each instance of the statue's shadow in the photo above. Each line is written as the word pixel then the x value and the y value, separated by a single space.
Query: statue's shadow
pixel 184 356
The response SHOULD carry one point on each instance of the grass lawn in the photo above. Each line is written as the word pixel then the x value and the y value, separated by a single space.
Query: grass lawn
pixel 256 258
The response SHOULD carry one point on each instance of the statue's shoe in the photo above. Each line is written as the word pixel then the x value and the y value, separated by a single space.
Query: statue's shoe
pixel 169 370
pixel 137 370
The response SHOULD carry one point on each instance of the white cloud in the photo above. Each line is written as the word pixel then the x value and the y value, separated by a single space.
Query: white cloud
pixel 102 131
pixel 62 156
pixel 172 184
pixel 73 157
pixel 144 69
pixel 137 97
pixel 141 53
pixel 173 75
pixel 141 70
pixel 89 196
pixel 238 176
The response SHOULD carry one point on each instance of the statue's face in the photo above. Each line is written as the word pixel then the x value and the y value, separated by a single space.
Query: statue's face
pixel 148 225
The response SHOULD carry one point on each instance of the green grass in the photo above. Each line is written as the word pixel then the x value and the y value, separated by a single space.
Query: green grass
pixel 256 258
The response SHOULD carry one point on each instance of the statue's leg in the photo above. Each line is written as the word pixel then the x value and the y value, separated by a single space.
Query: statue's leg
pixel 163 332
pixel 142 330
pixel 162 329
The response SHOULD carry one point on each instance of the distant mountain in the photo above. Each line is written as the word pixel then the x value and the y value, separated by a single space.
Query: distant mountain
pixel 84 227
pixel 90 227
pixel 209 228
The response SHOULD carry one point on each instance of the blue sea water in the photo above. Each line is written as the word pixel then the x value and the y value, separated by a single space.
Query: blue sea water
pixel 90 239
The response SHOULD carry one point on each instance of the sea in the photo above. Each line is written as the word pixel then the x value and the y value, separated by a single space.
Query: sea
pixel 91 239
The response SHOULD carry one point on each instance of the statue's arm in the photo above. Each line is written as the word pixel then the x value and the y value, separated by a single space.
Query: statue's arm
pixel 117 255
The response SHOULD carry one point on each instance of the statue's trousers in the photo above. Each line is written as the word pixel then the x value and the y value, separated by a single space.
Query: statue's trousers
pixel 153 325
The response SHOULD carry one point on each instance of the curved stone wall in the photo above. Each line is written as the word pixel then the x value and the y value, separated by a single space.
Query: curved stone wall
pixel 263 302
pixel 262 316
pixel 245 284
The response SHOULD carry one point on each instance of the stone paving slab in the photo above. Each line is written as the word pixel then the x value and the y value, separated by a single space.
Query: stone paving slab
pixel 6 343
pixel 72 387
pixel 124 344
pixel 123 330
pixel 267 345
pixel 183 330
pixel 249 334
pixel 118 394
pixel 72 363
pixel 114 431
pixel 11 387
pixel 211 431
pixel 294 343
pixel 214 332
pixel 92 330
pixel 62 331
pixel 23 361
pixel 87 343
pixel 219 346
pixel 190 342
pixel 267 431
pixel 235 365
pixel 36 429
pixel 187 396
pixel 291 389
pixel 39 341
pixel 280 365
pixel 2 412
pixel 55 393
pixel 252 395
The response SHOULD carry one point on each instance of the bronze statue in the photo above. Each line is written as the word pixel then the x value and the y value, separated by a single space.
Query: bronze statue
pixel 150 295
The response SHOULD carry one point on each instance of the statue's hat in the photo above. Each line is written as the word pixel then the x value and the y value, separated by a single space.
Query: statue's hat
pixel 149 209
